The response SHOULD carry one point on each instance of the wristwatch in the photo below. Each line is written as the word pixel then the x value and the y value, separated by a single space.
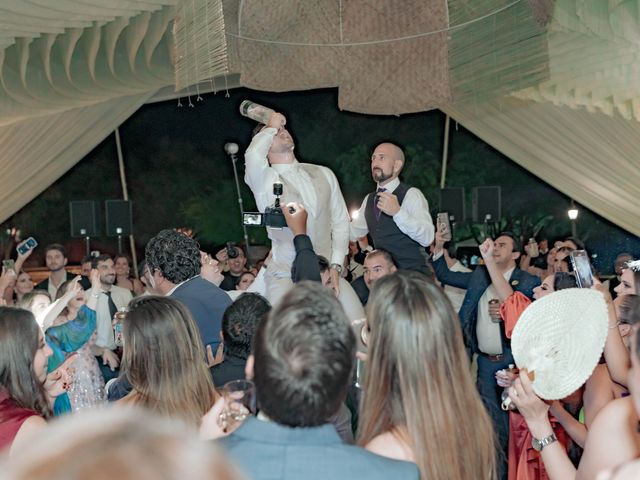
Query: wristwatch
pixel 538 445
pixel 337 267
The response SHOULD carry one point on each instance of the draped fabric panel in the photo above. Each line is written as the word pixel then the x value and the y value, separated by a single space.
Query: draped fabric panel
pixel 71 71
pixel 69 53
pixel 36 152
pixel 590 157
pixel 593 58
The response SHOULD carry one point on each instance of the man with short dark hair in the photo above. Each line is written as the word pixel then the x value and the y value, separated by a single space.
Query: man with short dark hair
pixel 238 326
pixel 174 267
pixel 378 264
pixel 269 159
pixel 55 257
pixel 303 359
pixel 482 327
pixel 110 299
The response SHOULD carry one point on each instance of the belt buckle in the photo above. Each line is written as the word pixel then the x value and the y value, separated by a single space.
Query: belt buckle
pixel 496 358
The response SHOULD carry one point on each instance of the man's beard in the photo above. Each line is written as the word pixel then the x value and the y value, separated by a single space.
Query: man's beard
pixel 379 175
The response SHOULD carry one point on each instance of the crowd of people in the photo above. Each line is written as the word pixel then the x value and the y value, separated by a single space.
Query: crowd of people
pixel 357 349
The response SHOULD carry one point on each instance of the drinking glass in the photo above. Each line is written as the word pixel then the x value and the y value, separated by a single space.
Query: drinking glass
pixel 239 402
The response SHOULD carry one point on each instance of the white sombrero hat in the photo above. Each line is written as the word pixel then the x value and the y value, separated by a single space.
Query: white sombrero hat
pixel 560 338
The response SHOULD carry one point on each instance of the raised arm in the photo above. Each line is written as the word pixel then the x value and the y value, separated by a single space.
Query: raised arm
pixel 305 265
pixel 259 175
pixel 500 284
pixel 615 353
pixel 444 275
pixel 47 316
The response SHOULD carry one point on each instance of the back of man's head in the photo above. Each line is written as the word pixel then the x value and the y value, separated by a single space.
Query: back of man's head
pixel 174 254
pixel 304 353
pixel 239 323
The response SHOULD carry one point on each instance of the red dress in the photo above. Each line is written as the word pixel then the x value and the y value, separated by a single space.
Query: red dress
pixel 11 418
pixel 525 463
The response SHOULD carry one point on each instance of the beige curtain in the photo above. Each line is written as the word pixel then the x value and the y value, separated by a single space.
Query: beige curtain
pixel 36 152
pixel 591 157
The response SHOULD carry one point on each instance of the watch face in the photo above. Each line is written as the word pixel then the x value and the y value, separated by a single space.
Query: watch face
pixel 540 444
pixel 537 446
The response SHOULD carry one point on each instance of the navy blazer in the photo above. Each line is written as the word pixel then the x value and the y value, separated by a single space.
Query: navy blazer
pixel 268 451
pixel 207 304
pixel 476 283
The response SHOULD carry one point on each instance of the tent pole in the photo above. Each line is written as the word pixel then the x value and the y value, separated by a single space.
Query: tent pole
pixel 445 152
pixel 125 197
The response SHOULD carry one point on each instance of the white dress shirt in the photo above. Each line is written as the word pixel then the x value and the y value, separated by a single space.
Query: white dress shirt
pixel 413 219
pixel 313 186
pixel 488 331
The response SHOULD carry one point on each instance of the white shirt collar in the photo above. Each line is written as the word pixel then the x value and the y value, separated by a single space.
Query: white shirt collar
pixel 392 185
pixel 174 288
pixel 283 167
pixel 508 273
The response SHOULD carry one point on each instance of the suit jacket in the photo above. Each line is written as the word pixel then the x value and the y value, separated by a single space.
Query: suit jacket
pixel 476 283
pixel 207 304
pixel 266 450
pixel 44 285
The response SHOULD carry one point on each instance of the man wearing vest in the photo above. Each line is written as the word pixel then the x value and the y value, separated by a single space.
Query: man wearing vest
pixel 395 215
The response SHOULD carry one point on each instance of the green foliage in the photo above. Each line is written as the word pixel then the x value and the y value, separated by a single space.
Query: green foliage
pixel 216 216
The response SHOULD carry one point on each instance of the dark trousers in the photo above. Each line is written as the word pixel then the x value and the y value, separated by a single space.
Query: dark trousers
pixel 491 393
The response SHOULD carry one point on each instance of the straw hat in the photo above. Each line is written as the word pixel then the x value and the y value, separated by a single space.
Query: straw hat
pixel 560 338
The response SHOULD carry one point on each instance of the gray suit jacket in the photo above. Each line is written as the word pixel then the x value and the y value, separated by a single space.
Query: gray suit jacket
pixel 268 451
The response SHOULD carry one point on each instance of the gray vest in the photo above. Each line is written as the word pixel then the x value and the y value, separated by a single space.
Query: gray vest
pixel 407 253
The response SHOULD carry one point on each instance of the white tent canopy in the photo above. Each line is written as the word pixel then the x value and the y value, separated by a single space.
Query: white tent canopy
pixel 553 85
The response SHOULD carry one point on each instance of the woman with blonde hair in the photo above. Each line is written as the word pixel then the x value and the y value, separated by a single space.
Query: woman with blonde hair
pixel 420 403
pixel 164 360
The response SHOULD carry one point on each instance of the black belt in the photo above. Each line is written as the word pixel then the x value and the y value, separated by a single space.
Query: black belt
pixel 493 358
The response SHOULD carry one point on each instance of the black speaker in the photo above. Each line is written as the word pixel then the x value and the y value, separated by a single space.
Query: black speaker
pixel 487 204
pixel 118 217
pixel 83 216
pixel 452 202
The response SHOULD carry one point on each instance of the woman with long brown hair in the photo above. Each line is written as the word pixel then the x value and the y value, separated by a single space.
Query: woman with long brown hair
pixel 420 403
pixel 164 360
pixel 24 403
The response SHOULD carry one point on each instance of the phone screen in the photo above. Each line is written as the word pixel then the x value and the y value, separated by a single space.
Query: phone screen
pixel 444 226
pixel 28 244
pixel 251 219
pixel 582 268
pixel 9 264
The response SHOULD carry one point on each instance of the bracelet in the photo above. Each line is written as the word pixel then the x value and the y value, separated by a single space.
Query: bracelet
pixel 95 295
pixel 615 326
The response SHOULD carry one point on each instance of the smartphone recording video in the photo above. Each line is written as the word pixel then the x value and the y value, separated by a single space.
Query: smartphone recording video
pixel 444 225
pixel 582 268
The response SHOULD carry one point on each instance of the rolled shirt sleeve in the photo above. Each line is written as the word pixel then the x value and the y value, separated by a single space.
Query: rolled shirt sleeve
pixel 259 176
pixel 413 219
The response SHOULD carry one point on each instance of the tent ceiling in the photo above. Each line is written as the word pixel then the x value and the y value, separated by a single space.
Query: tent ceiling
pixel 67 60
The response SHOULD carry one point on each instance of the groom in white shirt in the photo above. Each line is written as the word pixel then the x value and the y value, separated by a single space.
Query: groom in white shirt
pixel 270 159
